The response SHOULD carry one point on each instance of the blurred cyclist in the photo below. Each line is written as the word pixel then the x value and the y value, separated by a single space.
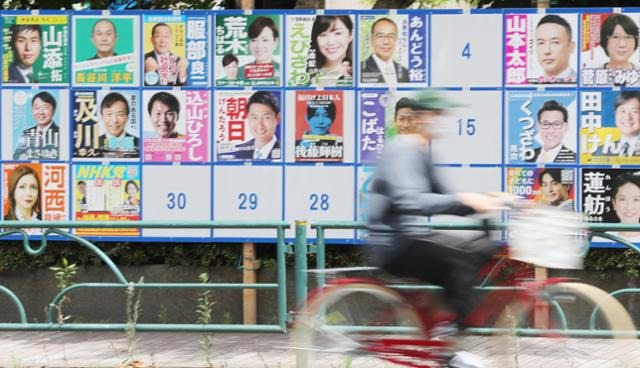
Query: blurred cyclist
pixel 405 187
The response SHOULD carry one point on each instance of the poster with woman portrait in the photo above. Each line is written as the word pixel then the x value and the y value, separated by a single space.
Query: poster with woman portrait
pixel 609 53
pixel 610 127
pixel 106 193
pixel 106 50
pixel 106 124
pixel 612 196
pixel 36 124
pixel 175 50
pixel 34 192
pixel 393 50
pixel 549 186
pixel 248 125
pixel 248 50
pixel 540 49
pixel 321 50
pixel 35 49
pixel 176 126
pixel 541 126
pixel 319 126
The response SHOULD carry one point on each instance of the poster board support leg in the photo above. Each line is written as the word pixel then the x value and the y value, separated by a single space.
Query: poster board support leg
pixel 249 296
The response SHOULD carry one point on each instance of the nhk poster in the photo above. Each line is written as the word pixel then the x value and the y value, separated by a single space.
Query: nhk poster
pixel 107 193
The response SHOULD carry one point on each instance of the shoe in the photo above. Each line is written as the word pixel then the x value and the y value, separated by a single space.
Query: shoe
pixel 464 359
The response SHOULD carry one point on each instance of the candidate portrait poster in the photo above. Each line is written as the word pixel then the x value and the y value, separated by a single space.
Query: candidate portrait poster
pixel 320 50
pixel 609 53
pixel 35 49
pixel 393 50
pixel 175 50
pixel 612 196
pixel 319 126
pixel 106 124
pixel 106 193
pixel 106 50
pixel 541 49
pixel 248 125
pixel 610 127
pixel 248 50
pixel 541 126
pixel 36 124
pixel 176 126
pixel 34 192
pixel 549 186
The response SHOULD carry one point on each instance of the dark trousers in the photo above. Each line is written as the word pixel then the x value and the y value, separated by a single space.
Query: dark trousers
pixel 444 260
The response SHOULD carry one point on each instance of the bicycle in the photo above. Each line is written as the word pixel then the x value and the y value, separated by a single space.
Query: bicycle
pixel 363 320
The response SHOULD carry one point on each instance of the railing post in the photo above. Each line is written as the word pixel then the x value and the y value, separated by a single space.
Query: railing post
pixel 249 296
pixel 301 262
pixel 321 261
pixel 282 281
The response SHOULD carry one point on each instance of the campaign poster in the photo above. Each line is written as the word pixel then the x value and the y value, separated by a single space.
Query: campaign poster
pixel 612 196
pixel 106 124
pixel 609 53
pixel 106 50
pixel 176 126
pixel 35 49
pixel 248 50
pixel 321 50
pixel 34 192
pixel 541 126
pixel 107 193
pixel 610 127
pixel 248 125
pixel 383 114
pixel 549 186
pixel 35 124
pixel 541 49
pixel 393 50
pixel 319 126
pixel 175 50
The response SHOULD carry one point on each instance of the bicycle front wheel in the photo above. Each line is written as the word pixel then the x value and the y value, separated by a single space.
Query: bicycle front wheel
pixel 360 325
pixel 571 305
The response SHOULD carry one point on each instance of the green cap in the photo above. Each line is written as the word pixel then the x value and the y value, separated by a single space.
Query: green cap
pixel 433 99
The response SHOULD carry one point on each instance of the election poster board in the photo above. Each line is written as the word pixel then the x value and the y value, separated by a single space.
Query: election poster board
pixel 35 49
pixel 283 115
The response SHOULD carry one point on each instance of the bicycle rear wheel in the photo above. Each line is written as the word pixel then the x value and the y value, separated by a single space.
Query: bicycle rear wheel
pixel 361 325
pixel 568 331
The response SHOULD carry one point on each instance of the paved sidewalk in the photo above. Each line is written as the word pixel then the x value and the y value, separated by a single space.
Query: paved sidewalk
pixel 249 350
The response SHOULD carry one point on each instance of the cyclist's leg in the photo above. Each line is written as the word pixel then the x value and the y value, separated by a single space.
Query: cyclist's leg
pixel 441 259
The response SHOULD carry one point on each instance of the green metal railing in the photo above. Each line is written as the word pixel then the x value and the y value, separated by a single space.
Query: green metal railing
pixel 53 228
pixel 596 230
